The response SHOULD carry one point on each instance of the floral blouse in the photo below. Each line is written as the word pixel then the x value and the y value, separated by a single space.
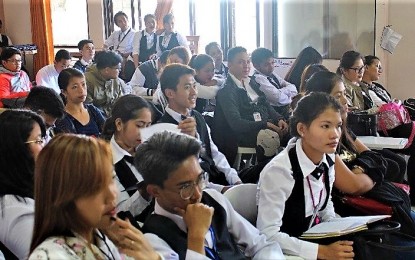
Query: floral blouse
pixel 76 248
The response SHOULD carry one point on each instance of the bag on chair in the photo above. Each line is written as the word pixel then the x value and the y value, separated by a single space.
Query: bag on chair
pixel 362 124
pixel 391 115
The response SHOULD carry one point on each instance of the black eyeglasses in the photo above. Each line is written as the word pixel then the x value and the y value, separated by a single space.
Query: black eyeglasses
pixel 187 190
pixel 358 70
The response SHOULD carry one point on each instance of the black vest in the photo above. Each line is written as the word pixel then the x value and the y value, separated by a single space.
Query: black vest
pixel 172 43
pixel 146 52
pixel 167 230
pixel 148 69
pixel 207 164
pixel 294 222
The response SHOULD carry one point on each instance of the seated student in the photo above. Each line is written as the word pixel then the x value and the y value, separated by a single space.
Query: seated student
pixel 48 104
pixel 178 85
pixel 14 82
pixel 307 56
pixel 189 222
pixel 21 139
pixel 308 72
pixel 207 85
pixel 145 41
pixel 48 75
pixel 73 200
pixel 102 81
pixel 214 50
pixel 169 39
pixel 129 114
pixel 87 50
pixel 278 91
pixel 242 110
pixel 79 118
pixel 146 77
pixel 4 39
pixel 293 196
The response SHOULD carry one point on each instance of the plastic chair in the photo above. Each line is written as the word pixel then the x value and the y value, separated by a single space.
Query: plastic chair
pixel 243 199
pixel 240 152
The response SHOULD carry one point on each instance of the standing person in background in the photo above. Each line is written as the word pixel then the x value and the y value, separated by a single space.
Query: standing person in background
pixel 87 50
pixel 14 82
pixel 48 75
pixel 307 56
pixel 214 50
pixel 145 42
pixel 122 42
pixel 102 81
pixel 169 39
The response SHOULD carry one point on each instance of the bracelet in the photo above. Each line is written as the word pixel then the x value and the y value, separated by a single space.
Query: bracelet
pixel 360 168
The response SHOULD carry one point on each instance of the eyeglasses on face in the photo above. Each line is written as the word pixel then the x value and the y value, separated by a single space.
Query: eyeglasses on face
pixel 39 141
pixel 15 61
pixel 358 70
pixel 187 190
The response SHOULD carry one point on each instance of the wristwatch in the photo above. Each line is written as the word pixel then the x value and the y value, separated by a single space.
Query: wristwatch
pixel 360 168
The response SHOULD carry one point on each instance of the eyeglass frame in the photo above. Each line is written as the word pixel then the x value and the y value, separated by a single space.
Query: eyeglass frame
pixel 40 141
pixel 358 70
pixel 14 61
pixel 201 182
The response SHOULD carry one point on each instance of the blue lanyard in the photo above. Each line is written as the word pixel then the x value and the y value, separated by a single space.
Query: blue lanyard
pixel 212 252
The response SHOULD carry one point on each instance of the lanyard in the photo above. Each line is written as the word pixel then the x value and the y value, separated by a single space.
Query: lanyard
pixel 120 41
pixel 212 252
pixel 315 207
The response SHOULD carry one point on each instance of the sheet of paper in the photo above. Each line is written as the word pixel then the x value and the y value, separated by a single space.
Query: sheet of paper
pixel 147 132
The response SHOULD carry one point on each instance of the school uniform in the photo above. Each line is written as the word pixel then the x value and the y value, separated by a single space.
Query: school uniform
pixel 121 41
pixel 48 77
pixel 127 176
pixel 212 157
pixel 222 72
pixel 144 45
pixel 167 233
pixel 287 199
pixel 144 81
pixel 81 65
pixel 168 42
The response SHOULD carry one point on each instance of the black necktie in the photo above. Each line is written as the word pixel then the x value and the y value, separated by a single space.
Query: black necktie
pixel 318 171
pixel 274 81
pixel 129 159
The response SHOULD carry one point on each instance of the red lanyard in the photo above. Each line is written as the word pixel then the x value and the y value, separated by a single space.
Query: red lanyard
pixel 311 192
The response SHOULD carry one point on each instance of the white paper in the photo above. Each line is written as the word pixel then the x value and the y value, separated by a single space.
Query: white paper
pixel 147 132
pixel 390 39
pixel 380 142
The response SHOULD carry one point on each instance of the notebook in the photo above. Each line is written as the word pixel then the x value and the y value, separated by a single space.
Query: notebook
pixel 341 226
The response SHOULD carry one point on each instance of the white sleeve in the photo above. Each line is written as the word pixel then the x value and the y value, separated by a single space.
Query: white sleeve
pixel 274 95
pixel 110 41
pixel 135 204
pixel 288 88
pixel 158 50
pixel 41 78
pixel 136 43
pixel 206 92
pixel 275 187
pixel 376 100
pixel 183 41
pixel 244 233
pixel 16 227
pixel 137 83
pixel 10 41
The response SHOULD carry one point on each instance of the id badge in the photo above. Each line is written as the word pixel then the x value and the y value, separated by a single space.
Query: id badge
pixel 257 117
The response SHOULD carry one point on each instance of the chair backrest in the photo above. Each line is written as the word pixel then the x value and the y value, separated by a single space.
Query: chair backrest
pixel 243 199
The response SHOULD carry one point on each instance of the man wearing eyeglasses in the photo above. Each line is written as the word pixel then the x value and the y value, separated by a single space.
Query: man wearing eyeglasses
pixel 189 222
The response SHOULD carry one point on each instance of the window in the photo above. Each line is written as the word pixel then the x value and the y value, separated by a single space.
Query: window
pixel 131 11
pixel 180 10
pixel 62 11
pixel 246 24
pixel 207 24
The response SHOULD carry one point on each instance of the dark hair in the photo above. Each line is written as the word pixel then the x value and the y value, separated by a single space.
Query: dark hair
pixel 147 16
pixel 309 108
pixel 62 55
pixel 210 45
pixel 167 18
pixel 162 154
pixel 260 55
pixel 82 43
pixel 163 57
pixel 307 56
pixel 66 75
pixel 182 52
pixel 322 81
pixel 348 59
pixel 120 13
pixel 369 59
pixel 308 72
pixel 45 99
pixel 232 52
pixel 126 108
pixel 106 59
pixel 171 76
pixel 8 52
pixel 199 61
pixel 17 163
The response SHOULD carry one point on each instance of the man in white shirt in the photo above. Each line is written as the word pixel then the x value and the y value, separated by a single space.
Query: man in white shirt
pixel 145 41
pixel 189 222
pixel 48 75
pixel 169 39
pixel 278 91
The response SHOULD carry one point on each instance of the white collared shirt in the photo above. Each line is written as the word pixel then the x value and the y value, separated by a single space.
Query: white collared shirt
pixel 245 86
pixel 180 39
pixel 136 203
pixel 48 77
pixel 122 45
pixel 275 186
pixel 137 39
pixel 254 245
pixel 138 79
pixel 220 160
pixel 275 96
